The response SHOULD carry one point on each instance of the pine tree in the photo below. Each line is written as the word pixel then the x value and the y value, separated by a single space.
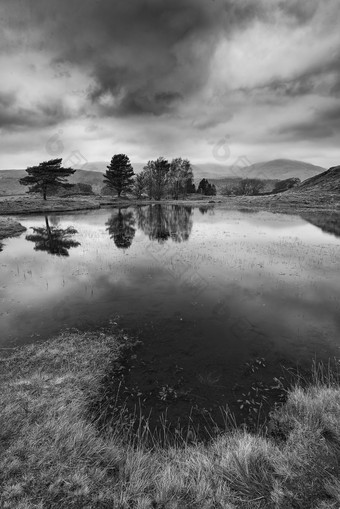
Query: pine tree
pixel 119 175
pixel 206 188
pixel 46 177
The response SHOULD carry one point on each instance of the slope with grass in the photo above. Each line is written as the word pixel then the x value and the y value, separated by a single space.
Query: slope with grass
pixel 53 455
pixel 327 181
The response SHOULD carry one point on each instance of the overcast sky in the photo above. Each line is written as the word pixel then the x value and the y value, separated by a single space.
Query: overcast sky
pixel 211 80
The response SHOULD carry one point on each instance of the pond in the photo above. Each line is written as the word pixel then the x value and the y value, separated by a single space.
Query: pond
pixel 220 299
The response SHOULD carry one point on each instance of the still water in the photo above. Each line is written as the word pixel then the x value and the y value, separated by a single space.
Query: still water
pixel 220 299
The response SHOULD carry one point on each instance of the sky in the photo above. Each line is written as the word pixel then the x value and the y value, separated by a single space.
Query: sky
pixel 216 81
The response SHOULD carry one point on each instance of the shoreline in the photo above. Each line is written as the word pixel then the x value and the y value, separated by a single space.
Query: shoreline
pixel 280 203
pixel 10 228
pixel 52 453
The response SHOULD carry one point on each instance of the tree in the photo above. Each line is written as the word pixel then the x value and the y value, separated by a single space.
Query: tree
pixel 250 187
pixel 119 175
pixel 284 185
pixel 206 188
pixel 147 177
pixel 157 175
pixel 139 185
pixel 46 177
pixel 191 188
pixel 180 177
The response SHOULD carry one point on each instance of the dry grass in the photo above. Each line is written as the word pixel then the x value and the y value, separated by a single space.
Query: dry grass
pixel 34 205
pixel 10 228
pixel 53 457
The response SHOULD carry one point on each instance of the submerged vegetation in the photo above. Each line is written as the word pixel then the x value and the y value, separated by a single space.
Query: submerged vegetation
pixel 53 453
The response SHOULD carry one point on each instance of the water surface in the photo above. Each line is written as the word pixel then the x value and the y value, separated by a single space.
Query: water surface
pixel 221 299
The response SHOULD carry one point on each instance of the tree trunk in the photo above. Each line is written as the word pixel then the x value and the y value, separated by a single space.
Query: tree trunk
pixel 44 194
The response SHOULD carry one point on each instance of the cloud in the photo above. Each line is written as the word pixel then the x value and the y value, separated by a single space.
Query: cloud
pixel 324 123
pixel 184 73
pixel 14 117
pixel 145 54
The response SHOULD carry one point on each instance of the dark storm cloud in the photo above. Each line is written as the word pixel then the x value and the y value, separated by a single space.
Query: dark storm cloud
pixel 324 124
pixel 160 74
pixel 299 11
pixel 43 114
pixel 322 78
pixel 145 54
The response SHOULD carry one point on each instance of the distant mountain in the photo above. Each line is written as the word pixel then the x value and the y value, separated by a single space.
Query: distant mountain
pixel 214 171
pixel 203 170
pixel 220 175
pixel 281 169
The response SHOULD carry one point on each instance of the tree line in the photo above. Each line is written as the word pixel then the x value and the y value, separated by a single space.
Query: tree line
pixel 158 179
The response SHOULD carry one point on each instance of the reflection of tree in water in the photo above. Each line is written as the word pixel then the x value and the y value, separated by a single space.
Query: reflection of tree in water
pixel 121 228
pixel 160 222
pixel 53 240
pixel 207 208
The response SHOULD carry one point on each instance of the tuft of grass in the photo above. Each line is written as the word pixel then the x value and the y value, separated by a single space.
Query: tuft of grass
pixel 53 455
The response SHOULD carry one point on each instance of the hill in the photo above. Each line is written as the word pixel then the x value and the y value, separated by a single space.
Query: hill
pixel 328 180
pixel 281 169
pixel 9 182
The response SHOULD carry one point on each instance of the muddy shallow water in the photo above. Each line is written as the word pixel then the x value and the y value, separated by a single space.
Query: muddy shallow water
pixel 220 299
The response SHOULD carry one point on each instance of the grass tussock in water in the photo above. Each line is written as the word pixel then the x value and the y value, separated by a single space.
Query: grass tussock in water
pixel 52 456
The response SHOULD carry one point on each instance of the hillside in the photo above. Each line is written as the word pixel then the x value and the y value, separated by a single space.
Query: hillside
pixel 9 182
pixel 221 183
pixel 281 169
pixel 329 181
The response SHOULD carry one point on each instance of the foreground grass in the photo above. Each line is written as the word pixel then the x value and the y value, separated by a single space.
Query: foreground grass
pixel 52 456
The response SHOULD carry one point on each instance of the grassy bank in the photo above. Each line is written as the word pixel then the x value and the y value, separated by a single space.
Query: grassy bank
pixel 288 202
pixel 53 456
pixel 34 205
pixel 9 228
